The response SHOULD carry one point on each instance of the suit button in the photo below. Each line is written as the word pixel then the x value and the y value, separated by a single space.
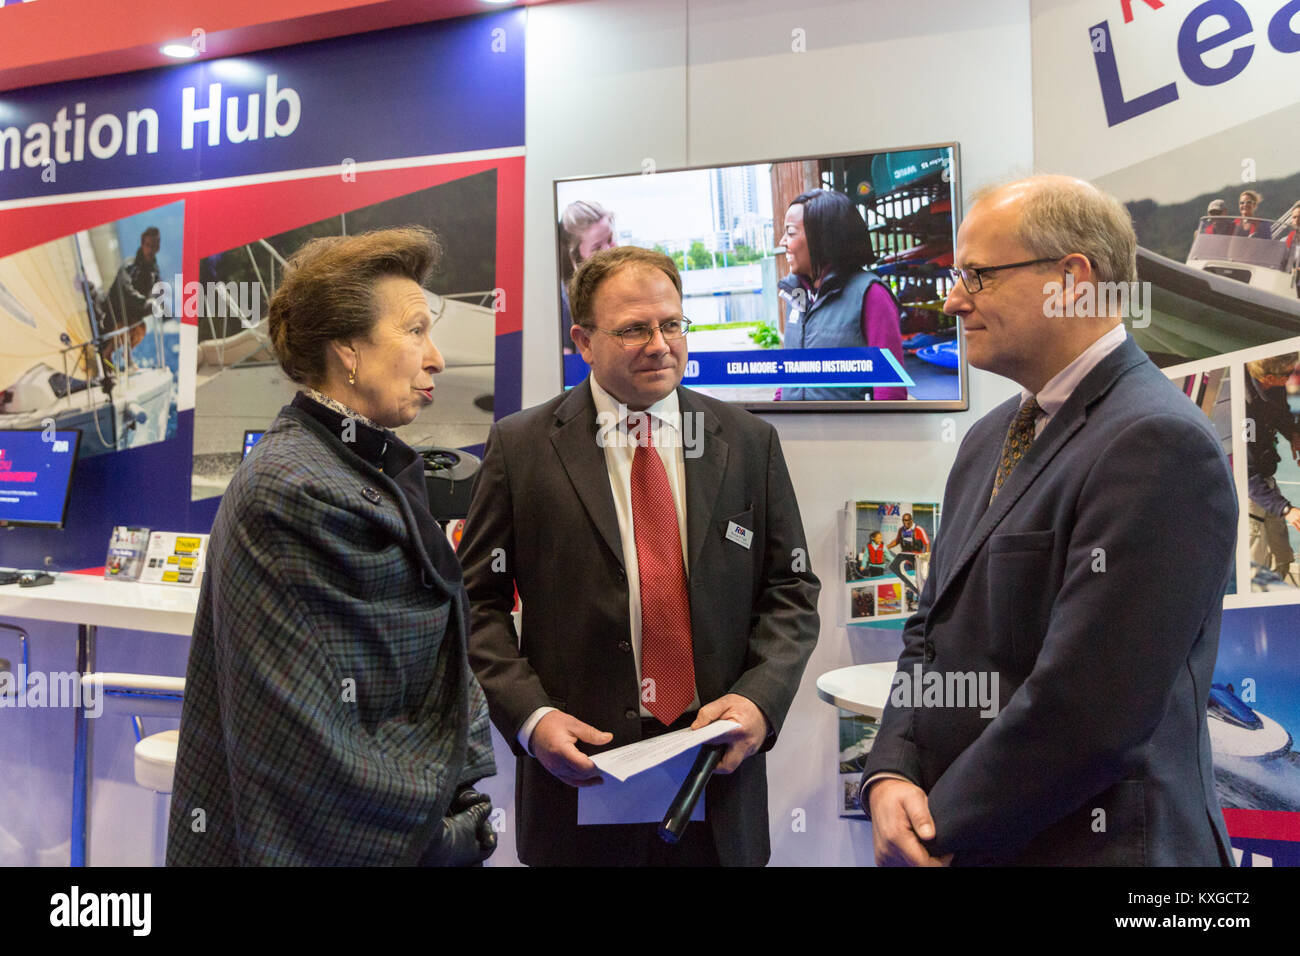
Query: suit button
pixel 631 714
pixel 929 653
pixel 625 646
pixel 622 575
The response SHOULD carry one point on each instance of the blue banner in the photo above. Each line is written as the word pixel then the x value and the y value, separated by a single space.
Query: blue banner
pixel 786 368
pixel 441 86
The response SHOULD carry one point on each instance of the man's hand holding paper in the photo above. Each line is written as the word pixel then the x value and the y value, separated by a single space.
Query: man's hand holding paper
pixel 748 736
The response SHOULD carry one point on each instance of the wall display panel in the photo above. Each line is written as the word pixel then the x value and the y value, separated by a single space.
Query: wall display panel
pixel 1253 402
pixel 782 315
pixel 1254 714
pixel 1200 138
pixel 1188 115
pixel 240 386
pixel 90 343
pixel 857 734
pixel 236 162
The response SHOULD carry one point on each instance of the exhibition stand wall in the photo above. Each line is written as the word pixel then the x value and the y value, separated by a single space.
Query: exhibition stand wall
pixel 583 89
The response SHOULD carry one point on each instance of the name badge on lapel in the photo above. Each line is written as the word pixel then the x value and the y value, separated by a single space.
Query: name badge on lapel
pixel 741 536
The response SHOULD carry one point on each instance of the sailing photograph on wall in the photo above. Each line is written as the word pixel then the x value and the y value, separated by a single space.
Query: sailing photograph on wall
pixel 91 343
pixel 239 384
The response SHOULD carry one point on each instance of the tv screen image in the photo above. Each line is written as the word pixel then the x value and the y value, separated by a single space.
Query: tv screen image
pixel 36 467
pixel 812 284
pixel 251 438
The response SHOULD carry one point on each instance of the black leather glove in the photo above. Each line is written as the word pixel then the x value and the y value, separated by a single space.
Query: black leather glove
pixel 466 837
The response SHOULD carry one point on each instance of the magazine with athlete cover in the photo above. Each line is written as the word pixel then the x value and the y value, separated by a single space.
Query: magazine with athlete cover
pixel 885 550
pixel 126 551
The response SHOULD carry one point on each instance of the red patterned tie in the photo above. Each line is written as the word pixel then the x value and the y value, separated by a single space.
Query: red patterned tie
pixel 666 655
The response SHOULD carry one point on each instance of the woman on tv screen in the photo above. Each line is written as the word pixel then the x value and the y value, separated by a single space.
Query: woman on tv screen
pixel 835 301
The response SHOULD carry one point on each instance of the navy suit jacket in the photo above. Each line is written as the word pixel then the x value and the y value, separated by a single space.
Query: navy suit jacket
pixel 1091 587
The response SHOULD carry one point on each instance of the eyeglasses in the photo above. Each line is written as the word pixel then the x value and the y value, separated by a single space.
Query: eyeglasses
pixel 635 336
pixel 973 279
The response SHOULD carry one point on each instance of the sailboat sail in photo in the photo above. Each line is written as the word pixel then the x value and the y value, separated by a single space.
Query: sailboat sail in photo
pixel 53 365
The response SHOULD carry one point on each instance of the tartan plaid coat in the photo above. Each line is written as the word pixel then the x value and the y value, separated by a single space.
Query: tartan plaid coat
pixel 329 713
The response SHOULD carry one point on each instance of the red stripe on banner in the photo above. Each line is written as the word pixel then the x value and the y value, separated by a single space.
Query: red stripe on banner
pixel 220 219
pixel 243 214
pixel 34 225
pixel 510 245
pixel 1263 824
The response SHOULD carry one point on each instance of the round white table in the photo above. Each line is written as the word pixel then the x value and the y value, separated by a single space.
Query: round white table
pixel 861 688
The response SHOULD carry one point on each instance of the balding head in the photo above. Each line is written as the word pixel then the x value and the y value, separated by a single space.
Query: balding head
pixel 1046 266
pixel 1059 215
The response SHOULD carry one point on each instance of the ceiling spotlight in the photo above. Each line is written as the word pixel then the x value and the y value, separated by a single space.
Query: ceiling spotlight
pixel 182 51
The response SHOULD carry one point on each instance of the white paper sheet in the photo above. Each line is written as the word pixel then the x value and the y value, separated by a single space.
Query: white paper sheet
pixel 623 762
pixel 644 798
pixel 642 779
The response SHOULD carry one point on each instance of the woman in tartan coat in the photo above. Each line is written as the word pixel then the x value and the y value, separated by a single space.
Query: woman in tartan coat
pixel 330 714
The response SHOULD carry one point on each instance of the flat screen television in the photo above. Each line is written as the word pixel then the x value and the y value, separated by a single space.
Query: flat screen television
pixel 798 300
pixel 36 468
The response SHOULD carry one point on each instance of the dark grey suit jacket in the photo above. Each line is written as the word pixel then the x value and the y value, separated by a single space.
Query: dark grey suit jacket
pixel 542 519
pixel 1092 587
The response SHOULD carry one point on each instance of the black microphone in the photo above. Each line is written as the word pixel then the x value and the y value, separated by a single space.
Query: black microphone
pixel 679 811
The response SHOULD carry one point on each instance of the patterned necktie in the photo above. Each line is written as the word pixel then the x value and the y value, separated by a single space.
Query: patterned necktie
pixel 667 660
pixel 1019 437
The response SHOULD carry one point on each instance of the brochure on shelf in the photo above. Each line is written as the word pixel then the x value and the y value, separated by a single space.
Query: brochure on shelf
pixel 175 558
pixel 126 553
pixel 885 552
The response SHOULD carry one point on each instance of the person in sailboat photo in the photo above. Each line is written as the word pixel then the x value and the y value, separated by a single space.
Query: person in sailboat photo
pixel 124 307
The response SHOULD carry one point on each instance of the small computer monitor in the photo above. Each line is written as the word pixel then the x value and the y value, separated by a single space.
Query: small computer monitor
pixel 250 439
pixel 36 468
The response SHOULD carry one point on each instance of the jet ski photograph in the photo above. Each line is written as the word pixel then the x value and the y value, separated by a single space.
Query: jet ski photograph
pixel 1253 709
pixel 1239 731
pixel 1256 766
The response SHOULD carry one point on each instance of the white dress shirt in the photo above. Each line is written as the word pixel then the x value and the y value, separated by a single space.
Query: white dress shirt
pixel 1061 385
pixel 620 448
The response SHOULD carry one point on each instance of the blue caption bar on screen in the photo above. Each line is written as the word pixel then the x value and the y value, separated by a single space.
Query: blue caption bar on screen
pixel 779 367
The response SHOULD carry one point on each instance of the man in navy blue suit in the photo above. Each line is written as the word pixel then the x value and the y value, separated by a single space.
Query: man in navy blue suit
pixel 1088 533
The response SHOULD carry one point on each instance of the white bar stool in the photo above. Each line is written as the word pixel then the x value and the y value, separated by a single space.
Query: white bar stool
pixel 141 695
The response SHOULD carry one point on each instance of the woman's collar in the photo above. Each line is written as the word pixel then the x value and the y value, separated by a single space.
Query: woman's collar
pixel 342 409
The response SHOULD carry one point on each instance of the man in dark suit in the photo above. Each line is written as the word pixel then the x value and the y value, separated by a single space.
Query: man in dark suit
pixel 1088 532
pixel 655 542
